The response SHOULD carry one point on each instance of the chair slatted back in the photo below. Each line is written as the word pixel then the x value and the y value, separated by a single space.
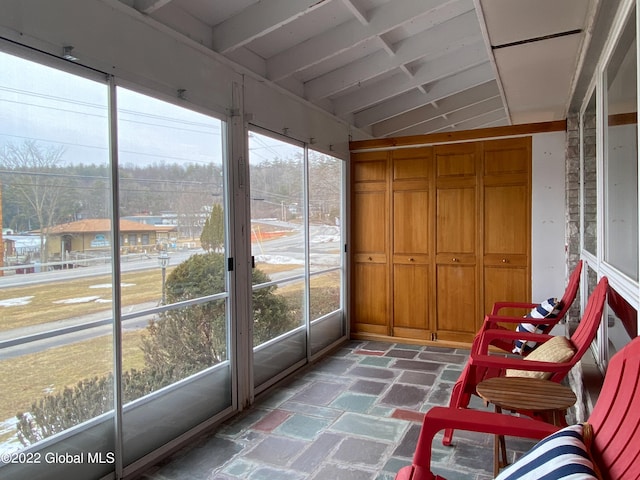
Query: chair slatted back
pixel 616 417
pixel 571 291
pixel 588 326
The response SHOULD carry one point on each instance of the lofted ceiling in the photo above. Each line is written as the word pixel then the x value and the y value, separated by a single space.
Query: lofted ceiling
pixel 401 67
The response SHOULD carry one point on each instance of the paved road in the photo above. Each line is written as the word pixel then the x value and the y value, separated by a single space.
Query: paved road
pixel 288 249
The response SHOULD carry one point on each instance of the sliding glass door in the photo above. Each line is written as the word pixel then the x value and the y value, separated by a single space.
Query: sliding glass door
pixel 56 275
pixel 297 248
pixel 174 326
pixel 279 250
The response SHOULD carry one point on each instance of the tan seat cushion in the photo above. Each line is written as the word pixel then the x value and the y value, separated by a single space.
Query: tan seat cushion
pixel 557 349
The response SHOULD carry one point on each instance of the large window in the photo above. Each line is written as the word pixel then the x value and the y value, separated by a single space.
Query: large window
pixel 56 336
pixel 297 245
pixel 610 186
pixel 326 247
pixel 621 163
pixel 71 320
pixel 278 244
pixel 589 178
pixel 174 288
pixel 120 318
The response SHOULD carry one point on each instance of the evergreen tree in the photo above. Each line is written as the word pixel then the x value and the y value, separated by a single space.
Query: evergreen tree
pixel 212 236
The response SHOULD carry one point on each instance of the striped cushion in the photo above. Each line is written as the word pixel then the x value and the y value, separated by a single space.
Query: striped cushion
pixel 561 455
pixel 548 308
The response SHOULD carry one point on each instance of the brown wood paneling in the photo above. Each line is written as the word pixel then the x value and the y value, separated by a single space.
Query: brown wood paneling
pixel 466 135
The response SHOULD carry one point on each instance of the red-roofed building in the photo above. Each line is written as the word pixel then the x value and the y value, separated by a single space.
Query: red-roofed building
pixel 93 235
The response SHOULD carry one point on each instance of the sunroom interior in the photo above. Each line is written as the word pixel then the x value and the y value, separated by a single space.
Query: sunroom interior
pixel 236 127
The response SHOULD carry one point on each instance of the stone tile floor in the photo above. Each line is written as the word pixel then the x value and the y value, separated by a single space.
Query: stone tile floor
pixel 355 415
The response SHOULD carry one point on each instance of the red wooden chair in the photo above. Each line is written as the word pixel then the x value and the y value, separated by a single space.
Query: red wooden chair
pixel 615 419
pixel 491 320
pixel 482 365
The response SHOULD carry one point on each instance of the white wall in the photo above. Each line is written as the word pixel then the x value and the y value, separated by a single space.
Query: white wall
pixel 548 256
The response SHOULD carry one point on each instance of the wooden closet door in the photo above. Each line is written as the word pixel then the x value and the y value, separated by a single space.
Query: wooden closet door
pixel 412 225
pixel 457 242
pixel 370 293
pixel 507 221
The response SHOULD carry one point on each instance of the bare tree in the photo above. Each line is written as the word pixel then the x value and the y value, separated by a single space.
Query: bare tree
pixel 37 183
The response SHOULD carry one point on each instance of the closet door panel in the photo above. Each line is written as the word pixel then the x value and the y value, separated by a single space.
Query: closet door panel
pixel 369 244
pixel 457 242
pixel 506 217
pixel 411 300
pixel 410 222
pixel 412 231
pixel 456 230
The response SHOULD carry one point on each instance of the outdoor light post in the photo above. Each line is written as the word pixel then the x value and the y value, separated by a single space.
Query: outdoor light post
pixel 163 260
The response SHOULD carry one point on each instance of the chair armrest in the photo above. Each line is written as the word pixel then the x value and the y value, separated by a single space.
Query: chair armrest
pixel 504 363
pixel 440 418
pixel 500 305
pixel 494 319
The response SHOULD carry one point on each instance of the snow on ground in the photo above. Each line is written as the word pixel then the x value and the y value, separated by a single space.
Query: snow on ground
pixel 11 444
pixel 16 302
pixel 78 300
pixel 279 260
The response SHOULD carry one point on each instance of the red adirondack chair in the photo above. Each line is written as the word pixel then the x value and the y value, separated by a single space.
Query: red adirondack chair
pixel 615 420
pixel 482 365
pixel 494 319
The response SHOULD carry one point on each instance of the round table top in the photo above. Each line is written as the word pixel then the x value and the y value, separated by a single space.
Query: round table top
pixel 526 393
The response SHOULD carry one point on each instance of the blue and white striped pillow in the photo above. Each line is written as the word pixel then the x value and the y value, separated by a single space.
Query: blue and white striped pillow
pixel 546 309
pixel 562 454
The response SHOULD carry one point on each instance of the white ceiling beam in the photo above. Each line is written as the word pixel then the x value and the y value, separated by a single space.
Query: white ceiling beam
pixel 386 46
pixel 488 119
pixel 456 118
pixel 357 12
pixel 350 34
pixel 257 20
pixel 430 111
pixel 149 6
pixel 413 99
pixel 446 66
pixel 426 45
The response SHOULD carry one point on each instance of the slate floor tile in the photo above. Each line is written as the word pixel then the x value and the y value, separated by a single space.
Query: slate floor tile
pixel 317 452
pixel 355 415
pixel 276 450
pixel 266 473
pixel 379 361
pixel 339 472
pixel 302 426
pixel 368 426
pixel 354 402
pixel 369 387
pixel 418 378
pixel 319 393
pixel 405 396
pixel 416 365
pixel 361 451
pixel 398 353
pixel 372 372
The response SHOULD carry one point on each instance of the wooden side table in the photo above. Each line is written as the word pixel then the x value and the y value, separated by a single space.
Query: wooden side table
pixel 549 399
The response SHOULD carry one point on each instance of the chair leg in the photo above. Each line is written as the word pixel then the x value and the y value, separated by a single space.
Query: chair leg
pixel 458 399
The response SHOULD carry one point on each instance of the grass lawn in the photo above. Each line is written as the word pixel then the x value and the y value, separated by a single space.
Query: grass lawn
pixel 30 377
pixel 61 300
